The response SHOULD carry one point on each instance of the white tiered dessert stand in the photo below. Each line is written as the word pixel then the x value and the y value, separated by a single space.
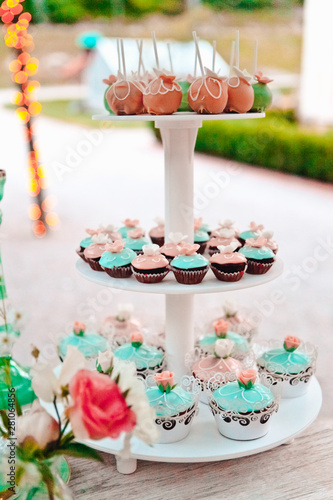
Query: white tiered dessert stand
pixel 204 443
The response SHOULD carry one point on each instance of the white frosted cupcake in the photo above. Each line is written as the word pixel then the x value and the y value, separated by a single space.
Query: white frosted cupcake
pixel 175 405
pixel 243 409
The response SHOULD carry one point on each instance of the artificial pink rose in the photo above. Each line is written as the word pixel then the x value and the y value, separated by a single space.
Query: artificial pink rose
pixel 256 227
pixel 188 249
pixel 261 78
pixel 256 242
pixel 197 224
pixel 165 379
pixel 131 222
pixel 99 409
pixel 221 327
pixel 79 327
pixel 137 338
pixel 247 378
pixel 291 343
pixel 136 233
pixel 115 247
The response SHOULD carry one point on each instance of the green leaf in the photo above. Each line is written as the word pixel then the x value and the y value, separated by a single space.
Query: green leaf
pixel 78 450
pixel 161 388
pixel 168 389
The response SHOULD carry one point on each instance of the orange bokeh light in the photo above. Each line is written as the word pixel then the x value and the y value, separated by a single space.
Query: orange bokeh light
pixel 52 219
pixel 39 229
pixel 15 66
pixel 35 212
pixel 21 77
pixel 23 115
pixel 35 108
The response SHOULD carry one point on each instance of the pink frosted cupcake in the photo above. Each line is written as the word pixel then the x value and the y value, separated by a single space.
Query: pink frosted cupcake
pixel 228 265
pixel 260 258
pixel 226 224
pixel 94 252
pixel 171 249
pixel 121 325
pixel 156 234
pixel 224 236
pixel 151 267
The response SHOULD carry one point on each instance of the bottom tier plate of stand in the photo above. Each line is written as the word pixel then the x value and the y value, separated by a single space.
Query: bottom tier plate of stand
pixel 205 443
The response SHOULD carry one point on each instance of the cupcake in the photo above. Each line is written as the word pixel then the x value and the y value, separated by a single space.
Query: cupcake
pixel 228 265
pixel 94 252
pixel 223 236
pixel 270 242
pixel 156 234
pixel 254 232
pixel 200 237
pixel 120 326
pixel 175 405
pixel 243 409
pixel 151 267
pixel 219 367
pixel 292 364
pixel 240 321
pixel 135 240
pixel 226 224
pixel 147 359
pixel 116 260
pixel 189 267
pixel 221 331
pixel 89 344
pixel 260 258
pixel 129 225
pixel 171 249
pixel 86 242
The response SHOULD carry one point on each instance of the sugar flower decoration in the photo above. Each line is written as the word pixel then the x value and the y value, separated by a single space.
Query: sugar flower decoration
pixel 227 223
pixel 268 234
pixel 230 308
pixel 124 312
pixel 79 328
pixel 221 328
pixel 165 381
pixel 92 232
pixel 228 248
pixel 101 239
pixel 223 348
pixel 256 227
pixel 151 249
pixel 110 80
pixel 135 234
pixel 115 247
pixel 261 78
pixel 131 222
pixel 136 339
pixel 110 228
pixel 256 242
pixel 197 223
pixel 246 378
pixel 159 221
pixel 189 249
pixel 105 361
pixel 291 343
pixel 177 238
pixel 226 232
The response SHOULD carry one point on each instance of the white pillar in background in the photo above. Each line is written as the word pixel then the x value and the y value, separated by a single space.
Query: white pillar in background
pixel 316 91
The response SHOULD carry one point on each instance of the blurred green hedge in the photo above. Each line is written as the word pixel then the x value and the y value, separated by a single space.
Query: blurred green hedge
pixel 276 142
pixel 250 4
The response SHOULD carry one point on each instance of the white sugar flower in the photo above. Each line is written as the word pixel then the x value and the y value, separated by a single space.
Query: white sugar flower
pixel 223 348
pixel 227 223
pixel 230 307
pixel 177 238
pixel 47 385
pixel 228 248
pixel 124 312
pixel 105 360
pixel 226 232
pixel 101 239
pixel 159 221
pixel 267 234
pixel 151 249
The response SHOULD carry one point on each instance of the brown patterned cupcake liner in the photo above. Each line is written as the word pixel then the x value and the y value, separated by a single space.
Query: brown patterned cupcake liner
pixel 119 272
pixel 189 277
pixel 151 277
pixel 258 267
pixel 220 275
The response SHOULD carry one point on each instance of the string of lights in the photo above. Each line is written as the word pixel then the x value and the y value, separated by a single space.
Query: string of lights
pixel 24 68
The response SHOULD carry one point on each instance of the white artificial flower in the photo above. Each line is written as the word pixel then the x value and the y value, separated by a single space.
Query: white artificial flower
pixel 7 341
pixel 124 312
pixel 267 234
pixel 177 238
pixel 228 248
pixel 105 360
pixel 38 425
pixel 47 385
pixel 227 223
pixel 159 221
pixel 226 232
pixel 101 238
pixel 230 307
pixel 223 347
pixel 151 249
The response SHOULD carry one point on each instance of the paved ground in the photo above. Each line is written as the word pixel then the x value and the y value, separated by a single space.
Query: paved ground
pixel 105 176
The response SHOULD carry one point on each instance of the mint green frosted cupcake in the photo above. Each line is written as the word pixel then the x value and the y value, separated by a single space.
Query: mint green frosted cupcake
pixel 260 258
pixel 189 267
pixel 135 240
pixel 89 344
pixel 116 260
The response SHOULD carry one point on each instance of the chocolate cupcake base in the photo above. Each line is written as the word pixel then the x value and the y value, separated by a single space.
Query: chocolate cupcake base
pixel 202 247
pixel 190 276
pixel 224 276
pixel 150 276
pixel 259 267
pixel 157 241
pixel 80 252
pixel 119 272
pixel 94 264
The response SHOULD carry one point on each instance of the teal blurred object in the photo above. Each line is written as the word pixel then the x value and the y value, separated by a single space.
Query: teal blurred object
pixel 2 185
pixel 88 40
pixel 14 375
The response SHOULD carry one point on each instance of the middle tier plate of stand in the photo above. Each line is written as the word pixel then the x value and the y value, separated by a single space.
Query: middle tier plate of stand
pixel 170 286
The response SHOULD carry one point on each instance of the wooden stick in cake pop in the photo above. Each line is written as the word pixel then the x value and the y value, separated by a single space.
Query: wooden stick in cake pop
pixel 214 55
pixel 255 57
pixel 155 50
pixel 198 52
pixel 170 57
pixel 237 49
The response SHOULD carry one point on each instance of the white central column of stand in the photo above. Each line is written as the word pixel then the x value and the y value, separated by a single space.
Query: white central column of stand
pixel 179 141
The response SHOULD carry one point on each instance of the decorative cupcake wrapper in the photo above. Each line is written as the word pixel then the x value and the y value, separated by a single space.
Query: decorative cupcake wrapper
pixel 150 278
pixel 227 276
pixel 258 267
pixel 292 379
pixel 244 419
pixel 188 277
pixel 95 265
pixel 185 417
pixel 119 272
pixel 81 254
